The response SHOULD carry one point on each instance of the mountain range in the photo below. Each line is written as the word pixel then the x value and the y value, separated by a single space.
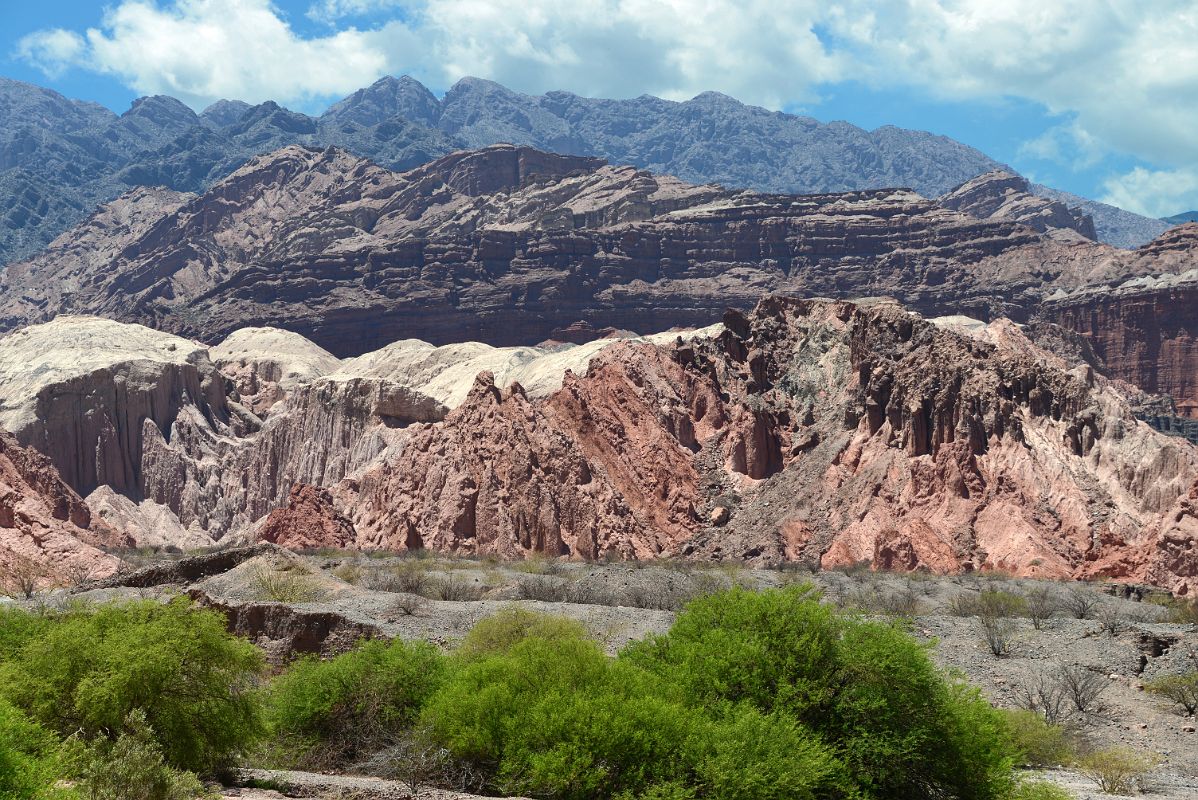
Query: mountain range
pixel 60 158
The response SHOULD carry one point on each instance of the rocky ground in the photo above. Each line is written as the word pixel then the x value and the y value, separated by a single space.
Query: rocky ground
pixel 323 602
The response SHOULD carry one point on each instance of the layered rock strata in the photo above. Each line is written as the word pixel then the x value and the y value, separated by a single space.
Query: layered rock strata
pixel 1005 195
pixel 509 246
pixel 1145 330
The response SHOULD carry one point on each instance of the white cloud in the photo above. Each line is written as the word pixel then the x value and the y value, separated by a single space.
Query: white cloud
pixel 1154 193
pixel 202 50
pixel 52 51
pixel 329 11
pixel 1128 73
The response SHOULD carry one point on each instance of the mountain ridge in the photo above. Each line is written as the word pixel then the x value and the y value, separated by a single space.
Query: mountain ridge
pixel 61 158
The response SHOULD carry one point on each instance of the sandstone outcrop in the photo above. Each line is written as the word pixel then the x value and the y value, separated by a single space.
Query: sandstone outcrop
pixel 308 521
pixel 265 364
pixel 1005 195
pixel 508 245
pixel 1145 330
pixel 95 396
pixel 47 533
pixel 827 432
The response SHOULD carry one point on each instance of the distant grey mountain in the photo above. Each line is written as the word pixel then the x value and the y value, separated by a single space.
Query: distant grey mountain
pixel 1112 224
pixel 60 158
pixel 1183 217
pixel 710 139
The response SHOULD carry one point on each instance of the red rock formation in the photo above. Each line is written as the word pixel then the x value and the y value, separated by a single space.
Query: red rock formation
pixel 1145 332
pixel 46 530
pixel 846 433
pixel 308 521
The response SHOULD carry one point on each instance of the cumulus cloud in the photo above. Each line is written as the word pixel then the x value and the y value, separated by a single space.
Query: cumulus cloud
pixel 52 51
pixel 1129 76
pixel 1154 193
pixel 202 50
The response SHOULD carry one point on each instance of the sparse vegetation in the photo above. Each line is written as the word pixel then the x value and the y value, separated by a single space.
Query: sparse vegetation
pixel 1039 743
pixel 1081 602
pixel 1117 770
pixel 1180 690
pixel 1042 602
pixel 453 587
pixel 1082 686
pixel 21 576
pixel 291 583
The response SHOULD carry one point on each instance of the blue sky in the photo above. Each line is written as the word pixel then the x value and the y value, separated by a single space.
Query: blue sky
pixel 1100 99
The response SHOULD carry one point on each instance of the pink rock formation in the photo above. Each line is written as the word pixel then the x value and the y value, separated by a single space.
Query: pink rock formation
pixel 308 521
pixel 46 530
pixel 846 432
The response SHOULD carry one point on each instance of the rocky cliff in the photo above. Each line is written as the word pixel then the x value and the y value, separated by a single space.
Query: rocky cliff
pixel 1146 329
pixel 48 536
pixel 821 432
pixel 511 246
pixel 1005 195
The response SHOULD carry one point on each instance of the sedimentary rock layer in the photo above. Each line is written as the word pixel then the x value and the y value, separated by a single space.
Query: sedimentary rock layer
pixel 510 246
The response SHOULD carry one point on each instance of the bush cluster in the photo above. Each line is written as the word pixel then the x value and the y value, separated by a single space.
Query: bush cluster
pixel 125 700
pixel 750 695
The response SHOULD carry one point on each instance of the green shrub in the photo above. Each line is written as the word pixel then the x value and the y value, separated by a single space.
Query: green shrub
pixel 555 717
pixel 751 755
pixel 133 768
pixel 291 583
pixel 17 628
pixel 89 669
pixel 1038 743
pixel 1117 770
pixel 329 712
pixel 1039 790
pixel 503 630
pixel 867 689
pixel 1180 690
pixel 29 758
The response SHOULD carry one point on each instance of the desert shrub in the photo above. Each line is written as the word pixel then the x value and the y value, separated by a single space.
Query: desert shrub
pixel 537 563
pixel 502 631
pixel 993 603
pixel 1082 686
pixel 999 634
pixel 867 689
pixel 1111 619
pixel 544 588
pixel 1182 612
pixel 453 587
pixel 29 756
pixel 409 577
pixel 1081 602
pixel 750 755
pixel 349 571
pixel 415 757
pixel 1039 790
pixel 133 768
pixel 1180 690
pixel 408 605
pixel 1042 602
pixel 21 576
pixel 289 584
pixel 555 717
pixel 1039 743
pixel 1045 695
pixel 1116 770
pixel 904 602
pixel 87 670
pixel 326 713
pixel 17 628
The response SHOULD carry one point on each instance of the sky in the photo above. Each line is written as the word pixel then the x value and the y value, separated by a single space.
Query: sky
pixel 1096 97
